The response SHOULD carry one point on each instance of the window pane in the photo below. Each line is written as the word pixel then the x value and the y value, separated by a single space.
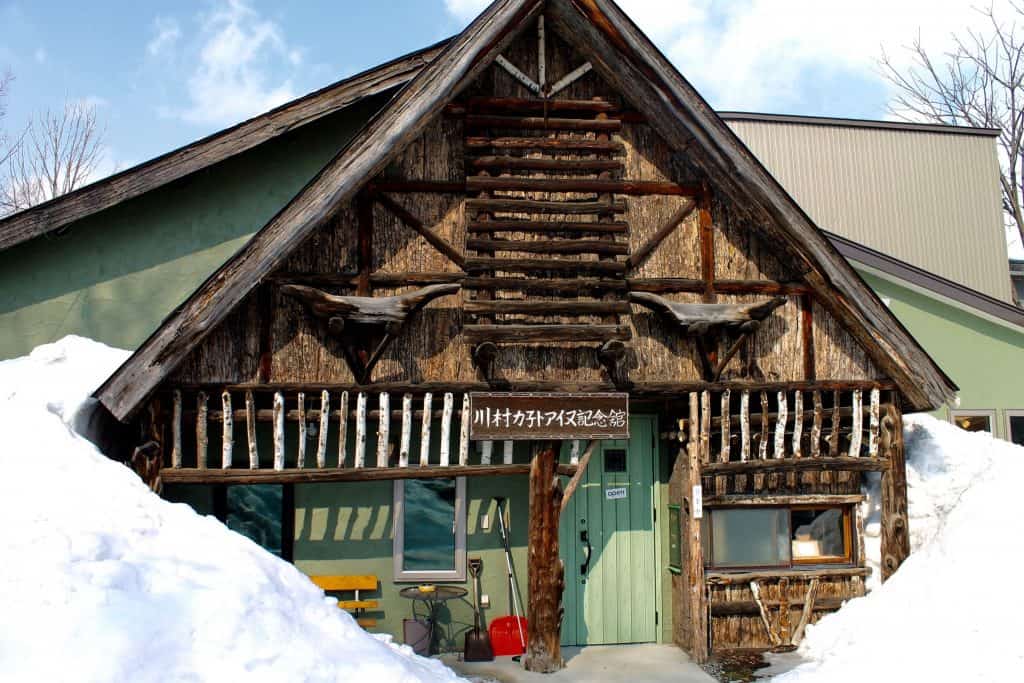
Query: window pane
pixel 750 538
pixel 973 423
pixel 1017 429
pixel 429 525
pixel 818 534
pixel 255 511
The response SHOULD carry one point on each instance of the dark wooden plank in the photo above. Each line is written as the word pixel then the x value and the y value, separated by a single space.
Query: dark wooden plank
pixel 314 476
pixel 550 246
pixel 735 578
pixel 511 163
pixel 641 254
pixel 522 104
pixel 749 607
pixel 568 307
pixel 552 286
pixel 629 187
pixel 675 285
pixel 807 334
pixel 416 224
pixel 512 334
pixel 541 123
pixel 403 279
pixel 612 227
pixel 830 464
pixel 538 206
pixel 543 265
pixel 543 144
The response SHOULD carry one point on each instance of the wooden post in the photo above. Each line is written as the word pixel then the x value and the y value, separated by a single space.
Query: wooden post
pixel 278 431
pixel 546 573
pixel 857 428
pixel 464 431
pixel 486 448
pixel 446 428
pixel 895 528
pixel 798 423
pixel 507 451
pixel 227 431
pixel 740 480
pixel 176 431
pixel 805 616
pixel 360 454
pixel 300 458
pixel 202 442
pixel 574 453
pixel 383 428
pixel 428 401
pixel 342 429
pixel 694 571
pixel 250 430
pixel 722 481
pixel 325 424
pixel 873 426
pixel 403 444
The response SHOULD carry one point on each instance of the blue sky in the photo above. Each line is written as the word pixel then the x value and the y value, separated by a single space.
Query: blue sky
pixel 163 73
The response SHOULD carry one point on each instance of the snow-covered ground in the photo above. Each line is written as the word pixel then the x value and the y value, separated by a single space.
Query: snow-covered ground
pixel 100 580
pixel 953 610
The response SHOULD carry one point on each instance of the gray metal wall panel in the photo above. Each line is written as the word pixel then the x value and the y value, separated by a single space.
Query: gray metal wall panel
pixel 930 199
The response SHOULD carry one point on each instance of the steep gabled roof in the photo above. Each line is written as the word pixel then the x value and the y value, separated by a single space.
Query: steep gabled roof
pixel 166 168
pixel 625 58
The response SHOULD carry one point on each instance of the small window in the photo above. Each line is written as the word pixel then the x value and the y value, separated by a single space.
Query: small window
pixel 974 420
pixel 615 460
pixel 820 535
pixel 430 529
pixel 777 536
pixel 1015 426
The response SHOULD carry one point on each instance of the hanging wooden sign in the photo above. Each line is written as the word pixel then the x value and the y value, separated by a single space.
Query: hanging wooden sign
pixel 527 416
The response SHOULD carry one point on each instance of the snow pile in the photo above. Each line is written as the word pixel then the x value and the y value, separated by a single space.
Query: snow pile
pixel 952 612
pixel 103 581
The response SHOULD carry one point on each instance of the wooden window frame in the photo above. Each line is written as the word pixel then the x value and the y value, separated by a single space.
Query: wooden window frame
pixel 401 575
pixel 847 556
pixel 990 413
pixel 1010 413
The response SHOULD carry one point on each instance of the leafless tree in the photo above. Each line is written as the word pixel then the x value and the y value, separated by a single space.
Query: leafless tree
pixel 979 82
pixel 57 153
pixel 6 147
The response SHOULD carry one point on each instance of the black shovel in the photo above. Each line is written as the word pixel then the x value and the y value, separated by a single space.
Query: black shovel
pixel 478 643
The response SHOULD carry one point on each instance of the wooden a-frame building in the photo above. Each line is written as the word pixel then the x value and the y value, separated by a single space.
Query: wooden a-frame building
pixel 550 208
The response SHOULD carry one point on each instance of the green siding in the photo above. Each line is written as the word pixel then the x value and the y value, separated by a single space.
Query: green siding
pixel 115 275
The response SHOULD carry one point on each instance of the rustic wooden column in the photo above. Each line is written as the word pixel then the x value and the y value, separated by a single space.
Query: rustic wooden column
pixel 547 575
pixel 895 545
pixel 694 557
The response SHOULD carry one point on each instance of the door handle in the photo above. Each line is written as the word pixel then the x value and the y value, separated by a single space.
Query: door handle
pixel 585 538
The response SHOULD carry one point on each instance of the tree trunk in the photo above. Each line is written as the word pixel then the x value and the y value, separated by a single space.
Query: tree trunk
pixel 547 575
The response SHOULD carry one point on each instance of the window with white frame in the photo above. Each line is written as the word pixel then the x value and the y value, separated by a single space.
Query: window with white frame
pixel 974 420
pixel 1015 426
pixel 430 529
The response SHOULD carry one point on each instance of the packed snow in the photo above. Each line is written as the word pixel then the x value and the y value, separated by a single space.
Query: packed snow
pixel 953 610
pixel 102 580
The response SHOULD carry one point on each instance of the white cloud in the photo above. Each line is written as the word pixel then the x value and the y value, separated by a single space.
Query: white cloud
pixel 166 34
pixel 464 10
pixel 40 55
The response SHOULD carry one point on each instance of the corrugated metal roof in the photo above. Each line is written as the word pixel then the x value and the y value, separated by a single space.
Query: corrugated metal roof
pixel 928 198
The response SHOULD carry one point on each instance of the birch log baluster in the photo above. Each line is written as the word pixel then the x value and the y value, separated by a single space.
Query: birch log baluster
pixel 740 480
pixel 780 425
pixel 383 428
pixel 360 454
pixel 798 423
pixel 574 453
pixel 762 447
pixel 176 431
pixel 810 477
pixel 833 440
pixel 858 424
pixel 201 440
pixel 403 444
pixel 705 427
pixel 507 452
pixel 446 428
pixel 784 622
pixel 873 426
pixel 722 482
pixel 464 431
pixel 773 636
pixel 486 449
pixel 325 424
pixel 343 429
pixel 428 402
pixel 227 445
pixel 278 431
pixel 300 458
pixel 250 430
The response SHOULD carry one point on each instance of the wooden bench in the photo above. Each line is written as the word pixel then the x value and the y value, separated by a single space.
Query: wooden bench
pixel 344 584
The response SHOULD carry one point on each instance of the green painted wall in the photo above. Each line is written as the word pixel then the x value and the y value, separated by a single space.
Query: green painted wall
pixel 115 275
pixel 985 359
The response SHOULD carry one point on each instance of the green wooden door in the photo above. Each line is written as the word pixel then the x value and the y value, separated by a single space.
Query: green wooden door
pixel 612 598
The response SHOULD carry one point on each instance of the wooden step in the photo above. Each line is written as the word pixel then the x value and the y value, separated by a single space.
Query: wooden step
pixel 565 166
pixel 543 123
pixel 634 187
pixel 478 264
pixel 545 144
pixel 613 227
pixel 602 247
pixel 568 207
pixel 566 307
pixel 513 334
pixel 545 286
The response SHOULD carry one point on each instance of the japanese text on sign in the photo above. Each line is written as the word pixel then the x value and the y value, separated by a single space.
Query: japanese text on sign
pixel 533 416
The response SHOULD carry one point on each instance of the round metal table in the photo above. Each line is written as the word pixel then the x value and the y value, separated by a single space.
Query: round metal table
pixel 432 599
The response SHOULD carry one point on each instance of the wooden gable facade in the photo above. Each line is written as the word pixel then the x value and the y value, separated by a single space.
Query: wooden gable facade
pixel 538 230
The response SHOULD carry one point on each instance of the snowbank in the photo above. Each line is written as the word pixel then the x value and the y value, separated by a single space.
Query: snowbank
pixel 953 610
pixel 103 581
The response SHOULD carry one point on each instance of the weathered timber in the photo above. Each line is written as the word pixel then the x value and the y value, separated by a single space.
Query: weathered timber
pixel 641 254
pixel 359 458
pixel 406 436
pixel 729 578
pixel 278 431
pixel 567 307
pixel 773 635
pixel 325 423
pixel 690 285
pixel 857 426
pixel 805 616
pixel 581 464
pixel 300 458
pixel 780 424
pixel 250 430
pixel 446 427
pixel 542 123
pixel 569 207
pixel 342 429
pixel 202 442
pixel 464 419
pixel 695 591
pixel 798 423
pixel 399 185
pixel 721 483
pixel 566 166
pixel 756 499
pixel 546 227
pixel 816 425
pixel 227 431
pixel 188 475
pixel 895 546
pixel 544 144
pixel 364 242
pixel 701 319
pixel 406 279
pixel 548 286
pixel 383 428
pixel 839 463
pixel 546 572
pixel 807 334
pixel 744 426
pixel 176 454
pixel 479 264
pixel 627 187
pixel 784 622
pixel 520 104
pixel 749 608
pixel 428 400
pixel 417 225
pixel 539 333
pixel 873 424
pixel 550 246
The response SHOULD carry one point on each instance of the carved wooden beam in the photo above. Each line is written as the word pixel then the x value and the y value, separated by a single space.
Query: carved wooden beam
pixel 365 325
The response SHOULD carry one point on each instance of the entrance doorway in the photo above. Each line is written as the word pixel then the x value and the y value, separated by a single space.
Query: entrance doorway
pixel 607 543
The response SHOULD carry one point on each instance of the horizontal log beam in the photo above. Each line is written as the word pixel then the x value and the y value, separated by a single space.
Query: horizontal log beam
pixel 609 125
pixel 317 476
pixel 554 165
pixel 403 279
pixel 551 286
pixel 399 185
pixel 681 285
pixel 805 499
pixel 475 265
pixel 613 227
pixel 838 463
pixel 731 578
pixel 603 247
pixel 572 307
pixel 544 144
pixel 483 103
pixel 349 280
pixel 743 608
pixel 628 187
pixel 568 207
pixel 526 334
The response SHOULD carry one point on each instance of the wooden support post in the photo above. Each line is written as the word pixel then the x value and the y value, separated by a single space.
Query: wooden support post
pixel 780 424
pixel 857 428
pixel 507 452
pixel 581 471
pixel 486 449
pixel 403 444
pixel 773 635
pixel 762 446
pixel 722 482
pixel 696 596
pixel 325 424
pixel 546 573
pixel 176 431
pixel 428 402
pixel 383 428
pixel 805 617
pixel 250 430
pixel 278 431
pixel 464 431
pixel 873 426
pixel 740 480
pixel 360 454
pixel 574 453
pixel 798 423
pixel 227 446
pixel 895 529
pixel 343 429
pixel 784 621
pixel 446 427
pixel 300 457
pixel 202 442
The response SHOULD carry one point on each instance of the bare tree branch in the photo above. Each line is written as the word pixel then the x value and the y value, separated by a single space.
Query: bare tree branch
pixel 979 83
